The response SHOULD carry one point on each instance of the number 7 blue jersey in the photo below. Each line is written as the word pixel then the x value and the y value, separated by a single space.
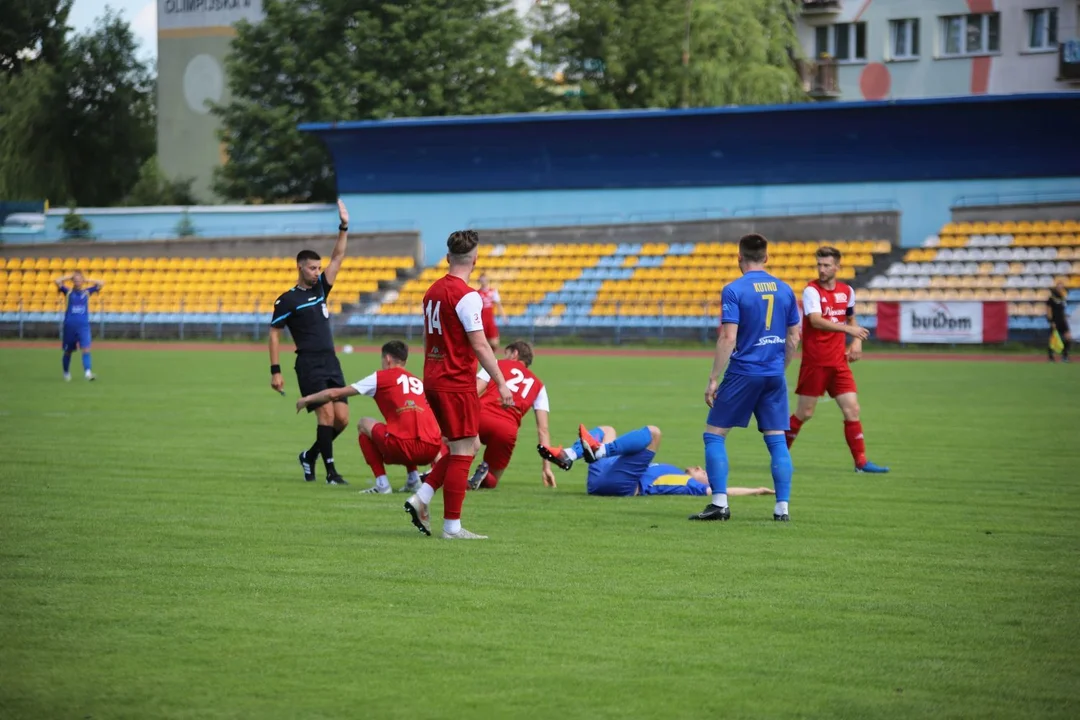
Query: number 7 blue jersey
pixel 764 308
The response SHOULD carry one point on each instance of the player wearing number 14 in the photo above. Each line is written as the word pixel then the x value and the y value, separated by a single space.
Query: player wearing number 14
pixel 453 341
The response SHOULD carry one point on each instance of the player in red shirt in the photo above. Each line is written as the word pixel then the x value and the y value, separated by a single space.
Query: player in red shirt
pixel 453 341
pixel 499 425
pixel 492 303
pixel 410 436
pixel 828 316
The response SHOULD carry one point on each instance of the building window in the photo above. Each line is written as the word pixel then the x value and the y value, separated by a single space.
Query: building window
pixel 1042 29
pixel 903 39
pixel 843 42
pixel 976 34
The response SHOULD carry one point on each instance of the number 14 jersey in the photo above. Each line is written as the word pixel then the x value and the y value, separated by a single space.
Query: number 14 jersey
pixel 400 397
pixel 451 310
pixel 529 392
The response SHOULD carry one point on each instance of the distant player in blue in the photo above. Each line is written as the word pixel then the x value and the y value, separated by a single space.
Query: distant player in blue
pixel 759 333
pixel 77 319
pixel 623 466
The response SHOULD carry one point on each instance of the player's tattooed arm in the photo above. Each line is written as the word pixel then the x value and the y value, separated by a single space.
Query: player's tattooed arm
pixel 487 359
pixel 854 350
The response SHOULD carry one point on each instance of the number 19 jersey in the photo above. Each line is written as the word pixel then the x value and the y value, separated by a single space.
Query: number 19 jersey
pixel 451 310
pixel 764 308
pixel 400 397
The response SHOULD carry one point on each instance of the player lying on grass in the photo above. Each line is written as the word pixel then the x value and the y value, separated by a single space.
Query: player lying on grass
pixel 410 436
pixel 499 424
pixel 623 466
pixel 828 318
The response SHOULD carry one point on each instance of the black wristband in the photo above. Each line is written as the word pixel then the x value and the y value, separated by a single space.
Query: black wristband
pixel 343 227
pixel 275 369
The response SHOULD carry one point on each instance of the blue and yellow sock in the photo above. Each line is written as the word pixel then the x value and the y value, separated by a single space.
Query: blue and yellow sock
pixel 716 467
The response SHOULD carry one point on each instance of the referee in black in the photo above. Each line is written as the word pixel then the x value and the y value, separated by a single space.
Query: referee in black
pixel 1057 314
pixel 304 311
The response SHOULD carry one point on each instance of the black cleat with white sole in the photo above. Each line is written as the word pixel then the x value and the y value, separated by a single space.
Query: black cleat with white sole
pixel 712 512
pixel 335 479
pixel 781 518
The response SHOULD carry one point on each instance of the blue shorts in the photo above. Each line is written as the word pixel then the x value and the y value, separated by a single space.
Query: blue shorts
pixel 76 336
pixel 740 396
pixel 619 476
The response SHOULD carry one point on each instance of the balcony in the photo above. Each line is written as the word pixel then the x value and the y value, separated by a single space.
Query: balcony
pixel 1069 61
pixel 820 79
pixel 821 7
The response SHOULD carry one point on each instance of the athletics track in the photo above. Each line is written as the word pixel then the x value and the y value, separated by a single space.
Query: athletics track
pixel 573 352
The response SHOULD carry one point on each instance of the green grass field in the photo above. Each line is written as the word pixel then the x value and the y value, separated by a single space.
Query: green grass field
pixel 161 557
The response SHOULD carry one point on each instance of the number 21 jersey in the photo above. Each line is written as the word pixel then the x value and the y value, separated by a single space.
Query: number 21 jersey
pixel 451 310
pixel 529 392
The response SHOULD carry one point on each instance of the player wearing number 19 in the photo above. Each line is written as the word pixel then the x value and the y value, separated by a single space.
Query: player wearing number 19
pixel 759 333
pixel 453 341
pixel 410 436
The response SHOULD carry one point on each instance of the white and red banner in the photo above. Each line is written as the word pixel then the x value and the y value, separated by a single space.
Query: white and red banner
pixel 943 322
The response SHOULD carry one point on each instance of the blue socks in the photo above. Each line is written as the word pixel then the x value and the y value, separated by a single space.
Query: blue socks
pixel 67 363
pixel 632 442
pixel 781 466
pixel 86 362
pixel 716 463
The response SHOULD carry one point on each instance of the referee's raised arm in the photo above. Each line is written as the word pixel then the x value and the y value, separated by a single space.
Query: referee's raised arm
pixel 338 254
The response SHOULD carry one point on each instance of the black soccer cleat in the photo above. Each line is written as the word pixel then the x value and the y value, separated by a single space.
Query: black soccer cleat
pixel 554 455
pixel 712 512
pixel 309 471
pixel 781 518
pixel 335 479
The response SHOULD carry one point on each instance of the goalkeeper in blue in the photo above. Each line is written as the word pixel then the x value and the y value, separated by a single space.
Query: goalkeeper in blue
pixel 759 333
pixel 623 466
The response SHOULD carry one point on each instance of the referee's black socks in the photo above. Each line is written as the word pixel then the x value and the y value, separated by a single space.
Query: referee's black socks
pixel 324 438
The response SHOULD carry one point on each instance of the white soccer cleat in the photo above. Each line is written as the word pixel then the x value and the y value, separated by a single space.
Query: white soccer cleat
pixel 90 376
pixel 462 534
pixel 67 377
pixel 479 476
pixel 376 490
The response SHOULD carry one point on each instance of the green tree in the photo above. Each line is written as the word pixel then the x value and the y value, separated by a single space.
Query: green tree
pixel 80 128
pixel 671 53
pixel 154 188
pixel 31 30
pixel 338 60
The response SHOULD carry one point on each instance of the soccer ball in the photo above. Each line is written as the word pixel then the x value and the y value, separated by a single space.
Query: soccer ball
pixel 347 349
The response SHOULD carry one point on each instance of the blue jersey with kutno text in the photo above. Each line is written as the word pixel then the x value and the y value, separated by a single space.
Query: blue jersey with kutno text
pixel 666 479
pixel 78 305
pixel 764 308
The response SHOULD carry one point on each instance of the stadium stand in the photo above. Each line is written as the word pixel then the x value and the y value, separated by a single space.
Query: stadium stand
pixel 630 280
pixel 1014 262
pixel 195 285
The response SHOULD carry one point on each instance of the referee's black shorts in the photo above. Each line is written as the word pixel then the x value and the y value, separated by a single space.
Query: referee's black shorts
pixel 318 371
pixel 1062 327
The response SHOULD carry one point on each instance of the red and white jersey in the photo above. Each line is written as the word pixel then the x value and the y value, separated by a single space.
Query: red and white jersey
pixel 451 309
pixel 400 397
pixel 819 347
pixel 489 297
pixel 529 392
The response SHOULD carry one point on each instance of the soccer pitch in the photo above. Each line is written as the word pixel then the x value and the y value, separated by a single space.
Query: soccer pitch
pixel 162 557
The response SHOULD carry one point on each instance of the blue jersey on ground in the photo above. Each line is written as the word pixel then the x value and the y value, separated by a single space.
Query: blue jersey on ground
pixel 78 305
pixel 764 308
pixel 664 479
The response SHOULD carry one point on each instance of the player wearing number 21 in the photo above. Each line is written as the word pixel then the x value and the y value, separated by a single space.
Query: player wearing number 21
pixel 759 333
pixel 453 341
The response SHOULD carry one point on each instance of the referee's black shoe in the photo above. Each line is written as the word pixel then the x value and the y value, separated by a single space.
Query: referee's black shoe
pixel 781 518
pixel 335 479
pixel 712 512
pixel 309 471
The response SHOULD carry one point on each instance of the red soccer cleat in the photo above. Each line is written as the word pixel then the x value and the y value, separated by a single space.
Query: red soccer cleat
pixel 589 445
pixel 555 455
